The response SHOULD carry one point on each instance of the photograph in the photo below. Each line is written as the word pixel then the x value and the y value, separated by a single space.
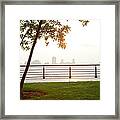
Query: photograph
pixel 60 59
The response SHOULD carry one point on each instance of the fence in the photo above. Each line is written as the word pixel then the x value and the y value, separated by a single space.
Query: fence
pixel 38 72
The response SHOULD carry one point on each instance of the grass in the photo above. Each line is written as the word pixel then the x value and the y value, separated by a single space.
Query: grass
pixel 83 90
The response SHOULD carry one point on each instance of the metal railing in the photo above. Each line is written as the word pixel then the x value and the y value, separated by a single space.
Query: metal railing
pixel 58 71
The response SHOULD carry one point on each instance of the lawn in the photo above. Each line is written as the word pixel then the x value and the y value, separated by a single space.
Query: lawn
pixel 83 90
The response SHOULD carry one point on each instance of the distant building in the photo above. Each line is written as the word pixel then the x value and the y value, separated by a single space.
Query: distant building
pixel 68 63
pixel 73 61
pixel 25 62
pixel 35 62
pixel 62 61
pixel 47 63
pixel 53 60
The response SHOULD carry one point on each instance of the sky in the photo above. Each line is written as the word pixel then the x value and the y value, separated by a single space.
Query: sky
pixel 83 45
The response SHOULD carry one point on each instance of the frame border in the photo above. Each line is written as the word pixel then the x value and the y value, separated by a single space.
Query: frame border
pixel 55 2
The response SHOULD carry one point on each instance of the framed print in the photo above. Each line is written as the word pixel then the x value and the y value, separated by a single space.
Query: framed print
pixel 59 59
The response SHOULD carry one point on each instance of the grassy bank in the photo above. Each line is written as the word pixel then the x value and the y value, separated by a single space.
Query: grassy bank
pixel 83 90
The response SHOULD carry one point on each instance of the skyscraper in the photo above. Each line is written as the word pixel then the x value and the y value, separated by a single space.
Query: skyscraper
pixel 73 61
pixel 53 60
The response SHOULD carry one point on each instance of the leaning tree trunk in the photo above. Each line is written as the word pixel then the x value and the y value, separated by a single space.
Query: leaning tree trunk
pixel 28 62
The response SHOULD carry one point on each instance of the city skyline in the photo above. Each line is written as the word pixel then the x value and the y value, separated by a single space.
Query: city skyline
pixel 53 61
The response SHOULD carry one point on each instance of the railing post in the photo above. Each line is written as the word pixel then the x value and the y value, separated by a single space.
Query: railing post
pixel 43 72
pixel 69 72
pixel 95 71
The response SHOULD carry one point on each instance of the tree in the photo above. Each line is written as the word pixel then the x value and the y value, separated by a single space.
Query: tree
pixel 33 30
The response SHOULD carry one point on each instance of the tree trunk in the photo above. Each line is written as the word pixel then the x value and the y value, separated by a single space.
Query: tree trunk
pixel 28 62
